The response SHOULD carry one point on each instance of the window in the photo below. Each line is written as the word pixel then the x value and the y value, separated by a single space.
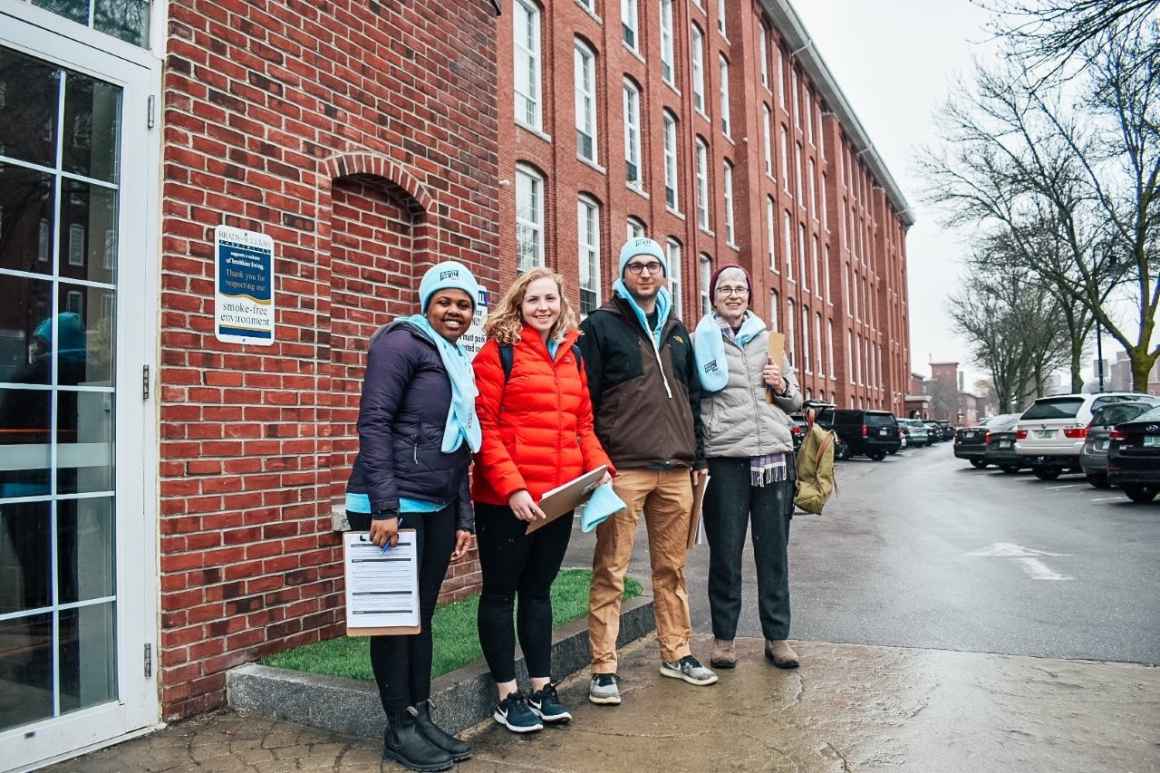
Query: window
pixel 724 71
pixel 767 137
pixel 811 169
pixel 825 206
pixel 806 363
pixel 784 158
pixel 636 228
pixel 590 5
pixel 588 241
pixel 846 286
pixel 793 95
pixel 763 54
pixel 671 183
pixel 630 23
pixel 697 67
pixel 814 265
pixel 585 75
pixel 802 257
pixel 727 186
pixel 790 343
pixel 858 359
pixel 706 268
pixel 780 79
pixel 797 169
pixel 830 347
pixel 526 19
pixel 721 17
pixel 529 219
pixel 818 342
pixel 702 184
pixel 826 277
pixel 634 173
pixel 787 250
pixel 809 108
pixel 849 358
pixel 673 251
pixel 770 233
pixel 774 311
pixel 668 51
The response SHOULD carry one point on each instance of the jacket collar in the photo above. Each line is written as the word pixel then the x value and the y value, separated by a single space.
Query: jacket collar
pixel 620 308
pixel 531 339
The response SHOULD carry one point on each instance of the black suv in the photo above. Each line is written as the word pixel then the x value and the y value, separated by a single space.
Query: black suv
pixel 871 433
pixel 823 415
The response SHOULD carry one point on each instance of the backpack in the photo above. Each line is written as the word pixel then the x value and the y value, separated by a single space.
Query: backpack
pixel 815 470
pixel 507 354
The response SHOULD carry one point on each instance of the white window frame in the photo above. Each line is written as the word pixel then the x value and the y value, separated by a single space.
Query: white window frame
pixel 588 246
pixel 767 137
pixel 790 329
pixel 584 86
pixel 830 348
pixel 632 136
pixel 824 215
pixel 635 228
pixel 805 278
pixel 705 267
pixel 787 233
pixel 673 251
pixel 806 324
pixel 774 312
pixel 721 26
pixel 780 78
pixel 809 109
pixel 793 94
pixel 727 192
pixel 697 67
pixel 826 276
pixel 797 169
pixel 527 175
pixel 771 232
pixel 672 172
pixel 702 164
pixel 785 158
pixel 630 24
pixel 668 44
pixel 763 53
pixel 811 170
pixel 849 358
pixel 819 366
pixel 846 287
pixel 814 265
pixel 723 71
pixel 527 58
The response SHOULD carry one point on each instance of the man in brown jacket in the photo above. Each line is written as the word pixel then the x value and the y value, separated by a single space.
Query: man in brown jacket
pixel 646 398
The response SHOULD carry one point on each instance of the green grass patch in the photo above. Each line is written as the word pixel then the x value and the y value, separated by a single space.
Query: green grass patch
pixel 455 631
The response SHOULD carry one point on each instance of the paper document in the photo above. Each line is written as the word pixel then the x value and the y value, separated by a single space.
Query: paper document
pixel 567 497
pixel 776 356
pixel 382 587
pixel 696 524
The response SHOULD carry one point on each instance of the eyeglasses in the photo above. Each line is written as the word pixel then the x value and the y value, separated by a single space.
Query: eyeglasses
pixel 653 267
pixel 725 290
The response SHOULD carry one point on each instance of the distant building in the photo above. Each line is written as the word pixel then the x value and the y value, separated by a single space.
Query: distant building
pixel 943 388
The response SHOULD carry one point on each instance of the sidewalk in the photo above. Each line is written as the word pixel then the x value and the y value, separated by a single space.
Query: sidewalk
pixel 848 708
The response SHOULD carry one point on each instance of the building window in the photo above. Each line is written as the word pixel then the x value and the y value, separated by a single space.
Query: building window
pixel 797 169
pixel 702 184
pixel 527 63
pixel 790 342
pixel 589 5
pixel 774 313
pixel 588 230
pixel 780 79
pixel 826 276
pixel 825 205
pixel 814 265
pixel 806 363
pixel 697 67
pixel 846 286
pixel 830 347
pixel 727 186
pixel 849 358
pixel 630 23
pixel 668 50
pixel 585 74
pixel 811 169
pixel 794 96
pixel 721 17
pixel 767 137
pixel 671 183
pixel 724 72
pixel 529 219
pixel 770 233
pixel 787 250
pixel 818 342
pixel 784 158
pixel 763 54
pixel 634 173
pixel 809 108
pixel 858 359
pixel 705 266
pixel 802 257
pixel 673 251
pixel 636 228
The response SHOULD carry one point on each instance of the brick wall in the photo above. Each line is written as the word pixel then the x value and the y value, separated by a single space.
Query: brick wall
pixel 361 136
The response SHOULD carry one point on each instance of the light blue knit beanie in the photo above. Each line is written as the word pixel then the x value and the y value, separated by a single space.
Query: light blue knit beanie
pixel 642 245
pixel 447 275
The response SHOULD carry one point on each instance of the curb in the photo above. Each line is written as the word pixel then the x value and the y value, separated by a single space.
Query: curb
pixel 460 699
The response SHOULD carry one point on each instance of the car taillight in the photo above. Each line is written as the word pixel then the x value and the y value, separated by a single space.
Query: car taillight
pixel 798 430
pixel 865 431
pixel 1075 433
pixel 1117 435
pixel 1020 434
pixel 986 438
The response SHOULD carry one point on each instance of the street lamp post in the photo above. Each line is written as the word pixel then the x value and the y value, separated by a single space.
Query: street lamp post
pixel 1100 353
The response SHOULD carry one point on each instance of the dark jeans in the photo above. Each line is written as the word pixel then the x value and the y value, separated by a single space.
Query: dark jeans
pixel 730 503
pixel 515 563
pixel 402 664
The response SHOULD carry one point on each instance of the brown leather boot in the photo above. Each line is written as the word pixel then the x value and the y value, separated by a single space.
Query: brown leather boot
pixel 781 654
pixel 724 654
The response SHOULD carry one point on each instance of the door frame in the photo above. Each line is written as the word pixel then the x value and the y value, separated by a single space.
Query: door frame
pixel 137 71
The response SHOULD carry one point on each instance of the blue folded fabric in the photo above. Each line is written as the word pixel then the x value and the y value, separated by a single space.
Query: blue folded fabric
pixel 602 505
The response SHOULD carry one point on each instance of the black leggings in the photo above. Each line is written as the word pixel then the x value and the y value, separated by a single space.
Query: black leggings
pixel 402 664
pixel 517 563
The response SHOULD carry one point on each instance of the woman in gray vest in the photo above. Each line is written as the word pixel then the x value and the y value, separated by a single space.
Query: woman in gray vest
pixel 751 465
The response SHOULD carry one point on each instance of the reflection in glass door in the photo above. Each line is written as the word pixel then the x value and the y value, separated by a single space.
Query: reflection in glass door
pixel 59 194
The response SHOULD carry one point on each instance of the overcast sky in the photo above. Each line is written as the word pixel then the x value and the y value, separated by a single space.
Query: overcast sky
pixel 895 62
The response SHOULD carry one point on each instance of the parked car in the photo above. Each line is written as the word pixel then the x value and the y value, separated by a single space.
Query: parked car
pixel 915 431
pixel 934 431
pixel 872 433
pixel 1134 456
pixel 1094 457
pixel 999 442
pixel 797 429
pixel 948 430
pixel 971 444
pixel 1050 434
pixel 823 416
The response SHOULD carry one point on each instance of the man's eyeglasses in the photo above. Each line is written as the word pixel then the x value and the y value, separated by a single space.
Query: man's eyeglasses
pixel 653 267
pixel 726 290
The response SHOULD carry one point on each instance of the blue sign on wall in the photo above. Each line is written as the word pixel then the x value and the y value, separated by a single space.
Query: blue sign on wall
pixel 244 286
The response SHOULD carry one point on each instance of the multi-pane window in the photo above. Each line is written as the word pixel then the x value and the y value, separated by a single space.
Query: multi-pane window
pixel 673 251
pixel 811 169
pixel 702 162
pixel 826 275
pixel 787 250
pixel 797 169
pixel 721 16
pixel 818 343
pixel 767 137
pixel 830 347
pixel 630 23
pixel 846 286
pixel 588 241
pixel 671 183
pixel 589 5
pixel 723 66
pixel 633 170
pixel 526 56
pixel 727 187
pixel 636 228
pixel 668 49
pixel 780 79
pixel 825 205
pixel 790 339
pixel 802 257
pixel 705 267
pixel 809 108
pixel 763 54
pixel 585 85
pixel 794 96
pixel 784 158
pixel 697 67
pixel 858 359
pixel 849 358
pixel 774 313
pixel 770 233
pixel 529 219
pixel 806 363
pixel 814 265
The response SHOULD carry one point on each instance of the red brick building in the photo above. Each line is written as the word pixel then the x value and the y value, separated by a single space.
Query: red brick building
pixel 717 129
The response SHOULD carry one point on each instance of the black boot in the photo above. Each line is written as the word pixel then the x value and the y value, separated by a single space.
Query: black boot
pixel 404 744
pixel 458 750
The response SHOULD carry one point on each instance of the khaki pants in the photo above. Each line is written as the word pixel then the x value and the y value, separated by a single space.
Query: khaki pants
pixel 666 498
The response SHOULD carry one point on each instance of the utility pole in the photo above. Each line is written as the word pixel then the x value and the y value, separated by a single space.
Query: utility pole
pixel 1100 353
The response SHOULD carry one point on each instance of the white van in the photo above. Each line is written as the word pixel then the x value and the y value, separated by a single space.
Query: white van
pixel 1049 436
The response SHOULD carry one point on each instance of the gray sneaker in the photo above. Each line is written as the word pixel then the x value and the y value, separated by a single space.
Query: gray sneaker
pixel 603 691
pixel 689 669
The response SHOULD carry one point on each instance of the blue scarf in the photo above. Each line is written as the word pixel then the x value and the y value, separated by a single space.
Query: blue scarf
pixel 709 348
pixel 462 423
pixel 664 306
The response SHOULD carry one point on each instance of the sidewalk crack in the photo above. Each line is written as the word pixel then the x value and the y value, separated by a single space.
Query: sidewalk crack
pixel 845 762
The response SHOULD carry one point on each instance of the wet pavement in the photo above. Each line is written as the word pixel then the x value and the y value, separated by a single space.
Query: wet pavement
pixel 849 707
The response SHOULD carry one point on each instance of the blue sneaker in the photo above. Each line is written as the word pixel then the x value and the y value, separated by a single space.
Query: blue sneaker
pixel 514 714
pixel 546 705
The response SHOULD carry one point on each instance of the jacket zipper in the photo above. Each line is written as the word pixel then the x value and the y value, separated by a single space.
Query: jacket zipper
pixel 415 449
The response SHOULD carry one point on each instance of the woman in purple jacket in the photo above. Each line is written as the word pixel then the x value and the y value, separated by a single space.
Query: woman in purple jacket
pixel 417 430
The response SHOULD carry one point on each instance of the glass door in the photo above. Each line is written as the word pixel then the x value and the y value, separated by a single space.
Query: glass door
pixel 71 492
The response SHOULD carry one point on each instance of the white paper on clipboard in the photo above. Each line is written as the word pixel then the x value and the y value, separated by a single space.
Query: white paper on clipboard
pixel 382 587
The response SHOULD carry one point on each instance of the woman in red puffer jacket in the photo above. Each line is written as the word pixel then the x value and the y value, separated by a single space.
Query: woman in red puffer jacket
pixel 537 434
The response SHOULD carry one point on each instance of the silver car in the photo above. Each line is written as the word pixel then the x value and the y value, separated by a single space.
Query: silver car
pixel 1094 457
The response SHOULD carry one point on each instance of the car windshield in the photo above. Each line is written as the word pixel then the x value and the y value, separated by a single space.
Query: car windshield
pixel 1003 423
pixel 1110 415
pixel 880 420
pixel 1054 408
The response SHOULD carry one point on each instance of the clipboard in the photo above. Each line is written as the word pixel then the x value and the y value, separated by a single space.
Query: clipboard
pixel 776 356
pixel 567 497
pixel 382 587
pixel 696 534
